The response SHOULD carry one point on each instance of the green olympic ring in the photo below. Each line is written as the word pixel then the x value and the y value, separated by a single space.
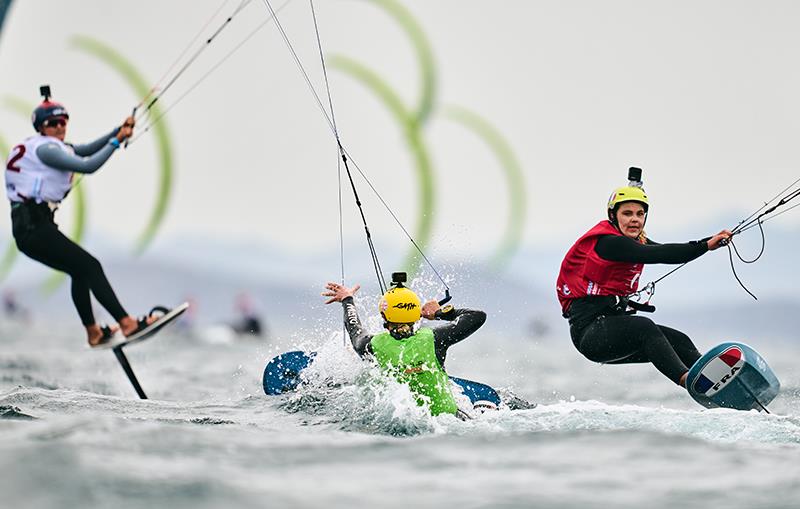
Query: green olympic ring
pixel 516 181
pixel 427 66
pixel 134 78
pixel 412 123
pixel 415 142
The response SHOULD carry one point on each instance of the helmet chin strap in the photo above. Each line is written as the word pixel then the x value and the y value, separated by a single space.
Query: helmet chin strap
pixel 399 330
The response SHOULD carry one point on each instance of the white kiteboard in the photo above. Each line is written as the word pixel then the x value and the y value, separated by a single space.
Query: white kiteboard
pixel 168 316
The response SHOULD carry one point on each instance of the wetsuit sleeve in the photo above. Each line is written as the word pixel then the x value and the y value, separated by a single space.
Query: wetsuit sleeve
pixel 88 149
pixel 616 248
pixel 463 323
pixel 358 336
pixel 52 155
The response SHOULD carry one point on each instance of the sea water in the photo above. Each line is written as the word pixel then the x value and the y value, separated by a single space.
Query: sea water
pixel 74 434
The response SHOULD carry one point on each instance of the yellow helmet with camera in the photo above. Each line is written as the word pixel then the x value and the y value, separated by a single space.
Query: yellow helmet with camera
pixel 628 193
pixel 400 305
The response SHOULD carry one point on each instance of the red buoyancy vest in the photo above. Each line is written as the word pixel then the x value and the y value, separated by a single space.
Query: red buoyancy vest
pixel 584 272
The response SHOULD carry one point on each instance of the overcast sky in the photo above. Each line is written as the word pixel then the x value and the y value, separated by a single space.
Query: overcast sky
pixel 702 95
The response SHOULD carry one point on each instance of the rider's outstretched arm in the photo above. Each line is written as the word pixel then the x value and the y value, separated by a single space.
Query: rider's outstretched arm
pixel 53 156
pixel 358 336
pixel 617 248
pixel 87 149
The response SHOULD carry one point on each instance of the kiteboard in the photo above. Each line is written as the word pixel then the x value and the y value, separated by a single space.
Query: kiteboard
pixel 166 317
pixel 283 374
pixel 732 375
pixel 119 341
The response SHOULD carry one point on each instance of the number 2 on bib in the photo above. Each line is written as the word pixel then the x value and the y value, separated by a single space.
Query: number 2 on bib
pixel 17 153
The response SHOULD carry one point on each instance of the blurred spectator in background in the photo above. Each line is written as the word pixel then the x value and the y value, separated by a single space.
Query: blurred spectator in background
pixel 12 308
pixel 248 323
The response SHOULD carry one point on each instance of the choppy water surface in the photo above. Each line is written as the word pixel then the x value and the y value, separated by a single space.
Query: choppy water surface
pixel 72 433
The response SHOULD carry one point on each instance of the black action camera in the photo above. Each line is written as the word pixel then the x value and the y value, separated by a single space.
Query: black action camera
pixel 44 90
pixel 398 278
pixel 635 174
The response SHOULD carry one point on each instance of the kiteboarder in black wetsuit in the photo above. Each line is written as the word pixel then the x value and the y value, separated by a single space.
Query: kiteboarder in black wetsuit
pixel 39 175
pixel 602 270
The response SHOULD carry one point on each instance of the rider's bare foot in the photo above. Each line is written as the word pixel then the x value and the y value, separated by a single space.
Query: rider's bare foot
pixel 129 324
pixel 95 334
pixel 683 379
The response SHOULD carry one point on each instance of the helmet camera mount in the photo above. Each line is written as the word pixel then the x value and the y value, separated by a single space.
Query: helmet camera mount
pixel 635 177
pixel 44 91
pixel 398 278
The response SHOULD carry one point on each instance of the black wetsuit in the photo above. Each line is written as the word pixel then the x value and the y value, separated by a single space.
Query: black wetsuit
pixel 602 331
pixel 37 235
pixel 463 322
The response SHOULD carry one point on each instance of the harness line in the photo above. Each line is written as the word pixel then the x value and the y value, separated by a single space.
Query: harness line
pixel 756 219
pixel 345 156
pixel 152 121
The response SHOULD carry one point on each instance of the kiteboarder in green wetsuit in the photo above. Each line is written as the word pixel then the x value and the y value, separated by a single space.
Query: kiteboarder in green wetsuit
pixel 414 357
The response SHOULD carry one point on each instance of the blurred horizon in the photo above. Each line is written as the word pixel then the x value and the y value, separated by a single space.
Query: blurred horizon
pixel 285 287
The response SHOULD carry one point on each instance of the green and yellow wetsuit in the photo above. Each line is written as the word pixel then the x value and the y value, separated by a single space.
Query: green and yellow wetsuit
pixel 413 361
pixel 419 359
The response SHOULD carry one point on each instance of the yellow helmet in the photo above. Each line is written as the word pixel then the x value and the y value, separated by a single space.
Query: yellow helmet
pixel 400 305
pixel 628 193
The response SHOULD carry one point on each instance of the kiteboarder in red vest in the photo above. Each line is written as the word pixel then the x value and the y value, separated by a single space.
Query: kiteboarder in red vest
pixel 602 269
